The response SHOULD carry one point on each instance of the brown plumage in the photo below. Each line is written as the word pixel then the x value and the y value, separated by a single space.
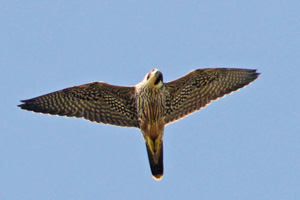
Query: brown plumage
pixel 149 106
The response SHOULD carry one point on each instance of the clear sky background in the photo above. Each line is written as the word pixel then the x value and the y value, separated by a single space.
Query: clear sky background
pixel 244 146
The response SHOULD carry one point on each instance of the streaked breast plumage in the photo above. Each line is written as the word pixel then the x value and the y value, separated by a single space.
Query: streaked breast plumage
pixel 149 106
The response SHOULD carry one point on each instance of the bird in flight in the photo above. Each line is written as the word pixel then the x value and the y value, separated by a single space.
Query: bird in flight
pixel 149 106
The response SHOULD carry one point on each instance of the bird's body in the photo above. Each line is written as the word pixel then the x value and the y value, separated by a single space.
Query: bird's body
pixel 149 106
pixel 151 100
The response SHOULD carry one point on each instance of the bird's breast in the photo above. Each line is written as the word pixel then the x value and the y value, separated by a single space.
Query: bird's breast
pixel 150 110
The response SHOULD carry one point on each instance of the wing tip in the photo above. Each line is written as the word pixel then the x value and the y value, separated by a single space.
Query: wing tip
pixel 30 105
pixel 23 105
pixel 250 75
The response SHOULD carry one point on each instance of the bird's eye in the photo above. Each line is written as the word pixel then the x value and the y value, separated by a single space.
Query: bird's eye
pixel 148 76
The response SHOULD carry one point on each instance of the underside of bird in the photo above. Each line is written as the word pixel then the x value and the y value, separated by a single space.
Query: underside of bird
pixel 149 105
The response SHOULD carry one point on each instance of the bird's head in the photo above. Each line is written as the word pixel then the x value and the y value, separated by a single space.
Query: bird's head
pixel 154 78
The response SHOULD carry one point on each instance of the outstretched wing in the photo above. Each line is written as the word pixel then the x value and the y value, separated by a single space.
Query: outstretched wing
pixel 97 102
pixel 195 90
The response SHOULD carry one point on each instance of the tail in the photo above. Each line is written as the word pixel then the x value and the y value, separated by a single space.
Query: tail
pixel 156 161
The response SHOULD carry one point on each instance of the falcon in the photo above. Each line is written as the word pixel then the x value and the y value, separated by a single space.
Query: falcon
pixel 149 106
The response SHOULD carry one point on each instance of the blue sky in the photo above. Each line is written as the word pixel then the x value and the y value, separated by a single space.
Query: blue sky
pixel 243 146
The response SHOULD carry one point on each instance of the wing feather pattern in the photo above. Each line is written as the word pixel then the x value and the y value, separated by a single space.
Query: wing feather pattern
pixel 195 90
pixel 97 102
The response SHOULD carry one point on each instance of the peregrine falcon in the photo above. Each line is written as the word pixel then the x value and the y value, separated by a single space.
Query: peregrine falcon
pixel 148 106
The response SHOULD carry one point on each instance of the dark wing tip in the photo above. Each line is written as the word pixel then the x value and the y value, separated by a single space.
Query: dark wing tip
pixel 23 105
pixel 30 105
pixel 249 76
pixel 253 74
